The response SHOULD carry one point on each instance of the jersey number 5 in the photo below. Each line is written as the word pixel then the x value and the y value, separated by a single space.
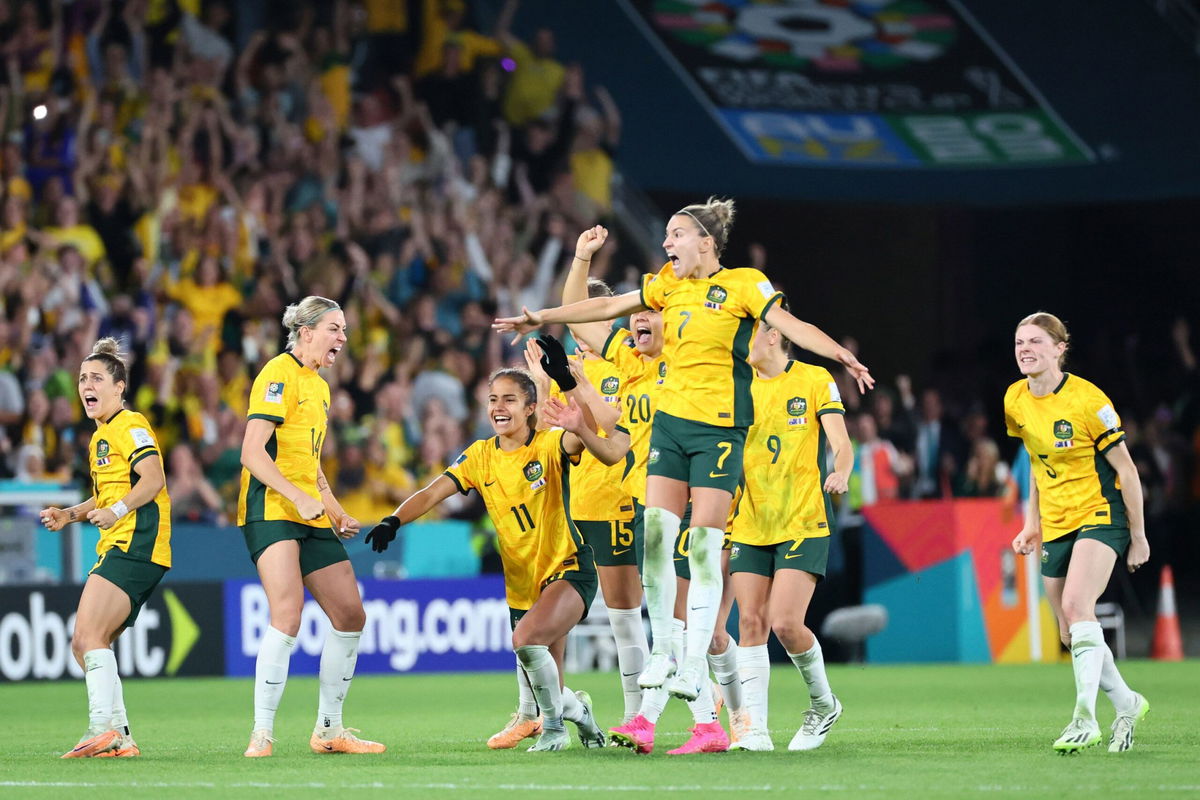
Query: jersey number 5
pixel 1046 463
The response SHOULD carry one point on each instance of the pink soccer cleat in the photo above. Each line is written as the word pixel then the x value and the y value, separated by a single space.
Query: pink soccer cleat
pixel 637 735
pixel 707 737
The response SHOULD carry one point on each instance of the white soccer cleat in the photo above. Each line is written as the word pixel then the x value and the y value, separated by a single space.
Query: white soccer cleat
pixel 659 667
pixel 552 739
pixel 1079 735
pixel 685 685
pixel 590 735
pixel 756 740
pixel 1123 726
pixel 816 727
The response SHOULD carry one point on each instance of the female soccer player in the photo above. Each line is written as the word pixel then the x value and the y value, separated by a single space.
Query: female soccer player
pixel 637 357
pixel 130 506
pixel 782 527
pixel 1085 512
pixel 549 575
pixel 699 430
pixel 292 524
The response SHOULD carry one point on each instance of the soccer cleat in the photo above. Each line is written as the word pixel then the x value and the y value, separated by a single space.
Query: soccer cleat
pixel 96 741
pixel 707 737
pixel 1123 725
pixel 685 685
pixel 755 740
pixel 739 726
pixel 551 739
pixel 637 735
pixel 1079 735
pixel 815 727
pixel 342 740
pixel 590 735
pixel 518 728
pixel 261 744
pixel 126 748
pixel 659 667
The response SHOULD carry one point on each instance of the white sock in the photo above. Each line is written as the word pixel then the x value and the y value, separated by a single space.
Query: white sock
pixel 120 720
pixel 1122 697
pixel 724 667
pixel 632 650
pixel 539 666
pixel 338 657
pixel 572 708
pixel 527 707
pixel 655 700
pixel 812 666
pixel 1087 657
pixel 100 674
pixel 704 593
pixel 754 666
pixel 270 676
pixel 658 573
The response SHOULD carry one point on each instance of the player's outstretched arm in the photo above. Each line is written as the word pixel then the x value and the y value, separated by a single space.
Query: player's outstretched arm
pixel 415 507
pixel 813 339
pixel 580 433
pixel 575 288
pixel 596 309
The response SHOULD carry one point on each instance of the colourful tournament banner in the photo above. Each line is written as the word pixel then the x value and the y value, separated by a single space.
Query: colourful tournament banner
pixel 858 83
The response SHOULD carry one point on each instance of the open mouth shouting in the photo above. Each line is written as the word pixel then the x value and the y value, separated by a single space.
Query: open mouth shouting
pixel 91 403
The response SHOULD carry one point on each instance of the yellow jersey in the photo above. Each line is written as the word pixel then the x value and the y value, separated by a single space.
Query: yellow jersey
pixel 708 324
pixel 784 463
pixel 597 494
pixel 643 379
pixel 117 446
pixel 296 399
pixel 527 494
pixel 1067 433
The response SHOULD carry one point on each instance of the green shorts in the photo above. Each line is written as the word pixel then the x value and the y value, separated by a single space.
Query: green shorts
pixel 1056 555
pixel 810 555
pixel 696 453
pixel 133 576
pixel 582 580
pixel 682 550
pixel 319 547
pixel 614 543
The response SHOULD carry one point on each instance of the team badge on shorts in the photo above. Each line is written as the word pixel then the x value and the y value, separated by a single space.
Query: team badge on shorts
pixel 654 454
pixel 1045 556
pixel 737 548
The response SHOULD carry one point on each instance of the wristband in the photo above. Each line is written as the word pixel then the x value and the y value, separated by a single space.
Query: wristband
pixel 119 508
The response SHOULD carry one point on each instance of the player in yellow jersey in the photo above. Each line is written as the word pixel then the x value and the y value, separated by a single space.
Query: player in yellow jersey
pixel 1084 513
pixel 129 505
pixel 293 527
pixel 637 356
pixel 549 574
pixel 781 529
pixel 709 315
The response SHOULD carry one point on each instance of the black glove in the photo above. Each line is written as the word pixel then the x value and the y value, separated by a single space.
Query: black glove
pixel 554 362
pixel 382 534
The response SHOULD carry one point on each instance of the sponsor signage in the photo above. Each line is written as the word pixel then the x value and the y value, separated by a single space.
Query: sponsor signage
pixel 874 83
pixel 412 626
pixel 178 632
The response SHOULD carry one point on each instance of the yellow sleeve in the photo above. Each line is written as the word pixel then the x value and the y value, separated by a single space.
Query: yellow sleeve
pixel 465 469
pixel 138 440
pixel 653 296
pixel 1101 421
pixel 270 397
pixel 756 295
pixel 1010 421
pixel 828 399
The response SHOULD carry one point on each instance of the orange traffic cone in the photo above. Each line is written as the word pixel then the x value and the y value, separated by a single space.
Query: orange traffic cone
pixel 1168 641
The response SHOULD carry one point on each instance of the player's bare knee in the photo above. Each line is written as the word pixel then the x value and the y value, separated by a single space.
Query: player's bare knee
pixel 286 620
pixel 752 627
pixel 1077 609
pixel 793 634
pixel 719 643
pixel 350 619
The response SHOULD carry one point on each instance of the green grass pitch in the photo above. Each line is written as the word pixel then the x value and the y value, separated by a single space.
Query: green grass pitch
pixel 907 732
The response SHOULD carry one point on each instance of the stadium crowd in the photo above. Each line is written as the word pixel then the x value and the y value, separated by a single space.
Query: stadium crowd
pixel 174 172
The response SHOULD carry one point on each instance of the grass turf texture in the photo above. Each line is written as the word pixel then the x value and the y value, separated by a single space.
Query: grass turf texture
pixel 927 731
